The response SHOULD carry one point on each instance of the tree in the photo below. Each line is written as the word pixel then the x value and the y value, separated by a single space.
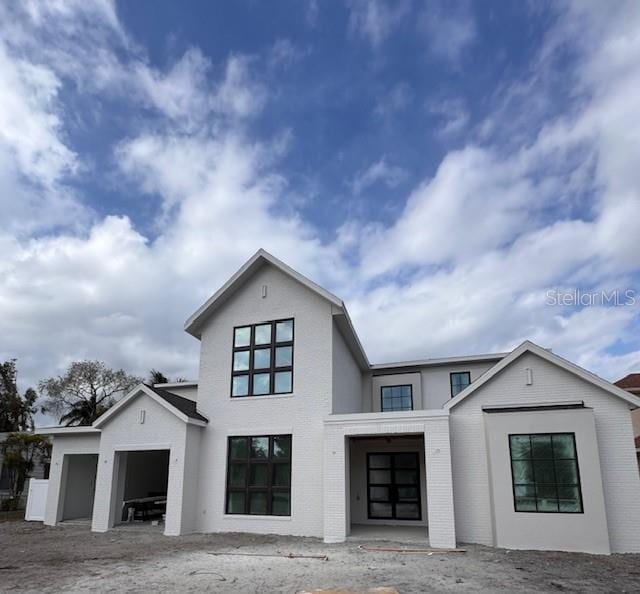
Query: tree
pixel 20 452
pixel 157 377
pixel 84 392
pixel 16 412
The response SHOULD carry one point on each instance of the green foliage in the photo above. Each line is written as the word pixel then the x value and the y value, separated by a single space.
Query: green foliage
pixel 20 451
pixel 84 392
pixel 157 377
pixel 16 412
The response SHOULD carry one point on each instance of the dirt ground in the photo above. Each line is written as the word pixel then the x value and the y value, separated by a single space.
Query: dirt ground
pixel 37 558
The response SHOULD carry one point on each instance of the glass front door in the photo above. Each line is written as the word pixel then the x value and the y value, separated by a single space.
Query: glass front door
pixel 393 486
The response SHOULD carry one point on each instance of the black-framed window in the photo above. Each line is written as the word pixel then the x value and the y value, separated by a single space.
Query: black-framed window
pixel 545 473
pixel 396 397
pixel 259 475
pixel 459 381
pixel 262 360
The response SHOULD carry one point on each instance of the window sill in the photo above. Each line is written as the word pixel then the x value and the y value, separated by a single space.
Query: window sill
pixel 254 398
pixel 255 517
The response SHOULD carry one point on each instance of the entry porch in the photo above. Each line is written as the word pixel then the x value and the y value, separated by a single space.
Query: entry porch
pixel 386 471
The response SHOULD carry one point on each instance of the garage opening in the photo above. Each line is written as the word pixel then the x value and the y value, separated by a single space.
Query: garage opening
pixel 79 484
pixel 143 477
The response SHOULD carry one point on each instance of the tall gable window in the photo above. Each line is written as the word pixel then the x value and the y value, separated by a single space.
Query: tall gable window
pixel 262 359
pixel 459 381
pixel 544 469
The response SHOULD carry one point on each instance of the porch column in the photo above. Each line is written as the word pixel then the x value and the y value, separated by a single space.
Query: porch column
pixel 437 449
pixel 335 486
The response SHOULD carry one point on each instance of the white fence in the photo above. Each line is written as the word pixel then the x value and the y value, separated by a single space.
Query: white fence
pixel 36 499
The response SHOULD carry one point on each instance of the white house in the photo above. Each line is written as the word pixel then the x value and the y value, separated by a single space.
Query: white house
pixel 291 430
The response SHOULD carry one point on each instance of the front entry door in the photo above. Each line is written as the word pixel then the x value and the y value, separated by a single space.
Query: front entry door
pixel 393 486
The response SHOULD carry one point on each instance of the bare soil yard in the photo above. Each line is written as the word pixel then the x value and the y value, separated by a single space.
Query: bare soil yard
pixel 37 558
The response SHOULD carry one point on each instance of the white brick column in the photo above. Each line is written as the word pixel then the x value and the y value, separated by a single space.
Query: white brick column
pixel 335 487
pixel 106 495
pixel 437 447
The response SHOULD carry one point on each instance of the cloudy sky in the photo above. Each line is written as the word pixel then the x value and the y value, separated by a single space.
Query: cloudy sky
pixel 440 166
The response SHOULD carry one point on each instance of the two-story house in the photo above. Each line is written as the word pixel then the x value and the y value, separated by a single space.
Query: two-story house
pixel 291 430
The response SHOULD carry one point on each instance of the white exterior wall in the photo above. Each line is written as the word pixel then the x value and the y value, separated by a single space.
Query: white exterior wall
pixel 346 376
pixel 300 413
pixel 65 445
pixel 550 384
pixel 583 532
pixel 161 430
pixel 396 379
pixel 190 392
pixel 436 383
pixel 435 428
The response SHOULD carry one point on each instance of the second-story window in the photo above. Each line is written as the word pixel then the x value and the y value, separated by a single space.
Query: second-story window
pixel 262 359
pixel 397 398
pixel 459 381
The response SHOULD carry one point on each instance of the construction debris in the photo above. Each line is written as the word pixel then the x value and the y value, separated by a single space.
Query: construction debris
pixel 400 550
pixel 281 556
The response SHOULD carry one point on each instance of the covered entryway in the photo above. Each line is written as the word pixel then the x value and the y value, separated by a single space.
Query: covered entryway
pixel 78 486
pixel 409 454
pixel 142 482
pixel 387 484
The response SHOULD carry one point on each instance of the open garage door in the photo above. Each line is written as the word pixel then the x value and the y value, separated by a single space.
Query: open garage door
pixel 79 486
pixel 143 477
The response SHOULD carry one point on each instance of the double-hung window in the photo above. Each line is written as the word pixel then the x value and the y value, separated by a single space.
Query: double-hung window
pixel 397 398
pixel 544 469
pixel 259 475
pixel 459 381
pixel 262 359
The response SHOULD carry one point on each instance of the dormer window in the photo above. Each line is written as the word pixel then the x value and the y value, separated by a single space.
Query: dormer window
pixel 262 359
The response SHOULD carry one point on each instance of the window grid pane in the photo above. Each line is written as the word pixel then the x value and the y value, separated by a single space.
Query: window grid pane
pixel 259 475
pixel 262 361
pixel 545 473
pixel 395 398
pixel 459 381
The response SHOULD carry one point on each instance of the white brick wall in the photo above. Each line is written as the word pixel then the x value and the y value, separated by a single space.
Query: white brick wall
pixel 123 432
pixel 435 428
pixel 300 413
pixel 551 383
pixel 64 445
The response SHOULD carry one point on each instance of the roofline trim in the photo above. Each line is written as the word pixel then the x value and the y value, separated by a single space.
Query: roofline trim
pixel 440 361
pixel 134 393
pixel 193 323
pixel 528 346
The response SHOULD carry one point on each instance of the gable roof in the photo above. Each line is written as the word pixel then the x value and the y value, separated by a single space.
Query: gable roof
pixel 629 382
pixel 194 324
pixel 183 408
pixel 341 316
pixel 528 346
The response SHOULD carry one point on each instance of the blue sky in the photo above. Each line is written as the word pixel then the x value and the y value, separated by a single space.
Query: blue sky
pixel 441 166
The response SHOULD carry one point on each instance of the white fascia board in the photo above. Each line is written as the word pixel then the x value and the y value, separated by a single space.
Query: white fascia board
pixel 528 346
pixel 192 324
pixel 440 361
pixel 75 430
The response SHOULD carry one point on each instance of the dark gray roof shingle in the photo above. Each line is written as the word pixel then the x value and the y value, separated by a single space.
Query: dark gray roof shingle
pixel 184 405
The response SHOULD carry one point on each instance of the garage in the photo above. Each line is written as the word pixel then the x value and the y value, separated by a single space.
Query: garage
pixel 79 486
pixel 143 478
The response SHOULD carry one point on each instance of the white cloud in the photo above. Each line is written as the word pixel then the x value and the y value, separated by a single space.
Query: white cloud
pixel 448 32
pixel 454 114
pixel 464 267
pixel 375 20
pixel 378 172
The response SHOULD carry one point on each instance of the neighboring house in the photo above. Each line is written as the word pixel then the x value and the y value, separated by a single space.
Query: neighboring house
pixel 631 383
pixel 291 430
pixel 40 470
